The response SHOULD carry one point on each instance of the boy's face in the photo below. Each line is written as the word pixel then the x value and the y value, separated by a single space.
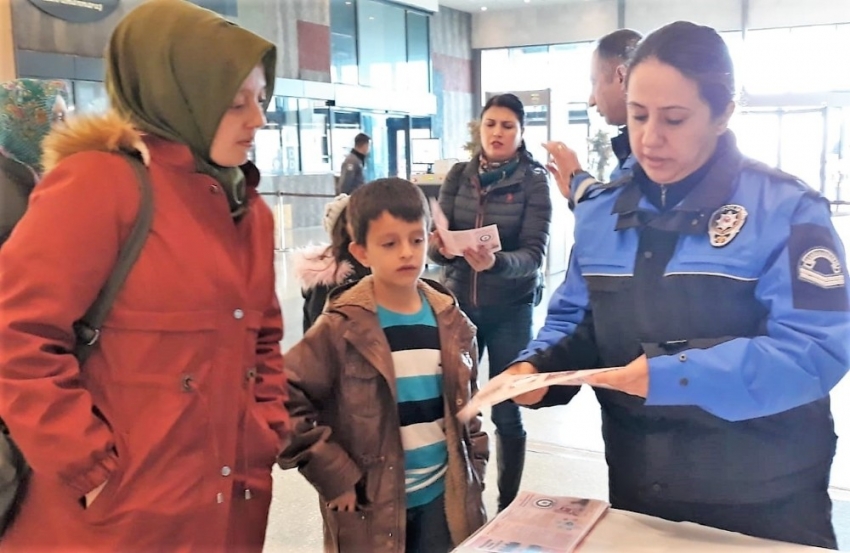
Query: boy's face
pixel 395 250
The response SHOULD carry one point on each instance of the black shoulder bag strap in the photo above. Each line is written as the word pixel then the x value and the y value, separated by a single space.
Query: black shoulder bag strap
pixel 87 329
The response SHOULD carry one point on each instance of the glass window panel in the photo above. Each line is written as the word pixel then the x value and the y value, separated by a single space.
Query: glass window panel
pixel 570 73
pixel 757 135
pixel 346 125
pixel 382 44
pixel 418 53
pixel 343 41
pixel 378 161
pixel 90 97
pixel 313 130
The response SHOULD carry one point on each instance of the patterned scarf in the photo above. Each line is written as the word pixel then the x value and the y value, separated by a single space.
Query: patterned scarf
pixel 490 172
pixel 26 115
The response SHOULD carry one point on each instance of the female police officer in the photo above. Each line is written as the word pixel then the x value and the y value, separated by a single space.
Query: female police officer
pixel 720 288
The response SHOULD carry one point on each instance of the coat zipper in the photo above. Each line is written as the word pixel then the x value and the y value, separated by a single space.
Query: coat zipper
pixel 479 221
pixel 663 195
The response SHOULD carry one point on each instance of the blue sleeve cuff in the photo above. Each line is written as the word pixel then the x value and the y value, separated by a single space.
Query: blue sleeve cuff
pixel 671 380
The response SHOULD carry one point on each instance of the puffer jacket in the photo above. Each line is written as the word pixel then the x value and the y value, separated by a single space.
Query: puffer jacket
pixel 345 418
pixel 520 205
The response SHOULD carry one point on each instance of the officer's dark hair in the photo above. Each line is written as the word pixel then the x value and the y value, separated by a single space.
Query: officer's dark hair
pixel 619 45
pixel 362 139
pixel 400 198
pixel 511 102
pixel 699 53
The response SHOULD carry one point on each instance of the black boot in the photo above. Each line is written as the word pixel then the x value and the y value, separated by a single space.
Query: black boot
pixel 510 460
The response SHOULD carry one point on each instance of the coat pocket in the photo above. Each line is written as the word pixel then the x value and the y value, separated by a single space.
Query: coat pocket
pixel 359 389
pixel 155 348
pixel 353 531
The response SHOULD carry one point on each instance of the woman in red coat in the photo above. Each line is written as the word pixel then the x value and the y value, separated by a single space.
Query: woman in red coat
pixel 164 440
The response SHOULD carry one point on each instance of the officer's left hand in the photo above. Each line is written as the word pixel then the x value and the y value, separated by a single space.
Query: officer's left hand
pixel 632 379
pixel 480 259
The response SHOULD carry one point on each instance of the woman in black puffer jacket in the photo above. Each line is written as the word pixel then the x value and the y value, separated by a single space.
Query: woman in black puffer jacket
pixel 505 186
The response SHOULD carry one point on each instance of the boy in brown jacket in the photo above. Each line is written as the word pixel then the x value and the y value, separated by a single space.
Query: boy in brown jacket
pixel 375 386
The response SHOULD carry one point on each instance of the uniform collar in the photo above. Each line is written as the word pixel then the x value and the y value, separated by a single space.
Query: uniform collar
pixel 691 216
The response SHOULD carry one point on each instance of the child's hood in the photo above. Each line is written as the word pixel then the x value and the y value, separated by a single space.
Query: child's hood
pixel 361 294
pixel 314 267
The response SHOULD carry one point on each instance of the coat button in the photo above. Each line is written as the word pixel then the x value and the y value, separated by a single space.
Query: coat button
pixel 695 222
pixel 214 189
pixel 390 467
pixel 219 497
pixel 186 382
pixel 251 374
pixel 683 358
pixel 647 255
pixel 683 382
pixel 656 488
pixel 238 314
pixel 459 402
pixel 225 470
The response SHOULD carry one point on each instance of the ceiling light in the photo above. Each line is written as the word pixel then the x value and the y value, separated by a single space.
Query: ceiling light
pixel 528 1
pixel 483 8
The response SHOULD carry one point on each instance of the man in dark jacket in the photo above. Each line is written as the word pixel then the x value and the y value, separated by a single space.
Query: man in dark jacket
pixel 351 174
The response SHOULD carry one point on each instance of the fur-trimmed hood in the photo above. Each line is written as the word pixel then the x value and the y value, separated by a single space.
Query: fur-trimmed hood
pixel 109 132
pixel 314 266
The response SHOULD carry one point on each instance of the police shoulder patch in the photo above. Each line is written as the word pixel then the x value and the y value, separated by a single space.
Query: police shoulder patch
pixel 821 267
pixel 818 277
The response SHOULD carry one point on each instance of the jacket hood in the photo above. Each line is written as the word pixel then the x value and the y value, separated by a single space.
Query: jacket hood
pixel 315 267
pixel 109 132
pixel 361 294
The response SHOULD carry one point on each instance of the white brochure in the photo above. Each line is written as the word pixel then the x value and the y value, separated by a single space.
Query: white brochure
pixel 507 386
pixel 456 241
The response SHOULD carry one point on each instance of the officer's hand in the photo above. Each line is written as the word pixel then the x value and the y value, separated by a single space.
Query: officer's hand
pixel 633 379
pixel 563 163
pixel 347 502
pixel 528 398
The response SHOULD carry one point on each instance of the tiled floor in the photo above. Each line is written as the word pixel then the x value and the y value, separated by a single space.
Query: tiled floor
pixel 565 445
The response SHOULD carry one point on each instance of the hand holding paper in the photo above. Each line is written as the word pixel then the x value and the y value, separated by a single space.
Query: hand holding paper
pixel 455 242
pixel 507 386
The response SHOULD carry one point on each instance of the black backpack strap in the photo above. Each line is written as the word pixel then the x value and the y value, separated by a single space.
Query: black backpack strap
pixel 87 329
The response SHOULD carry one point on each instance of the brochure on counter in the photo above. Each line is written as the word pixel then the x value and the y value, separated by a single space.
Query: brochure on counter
pixel 537 523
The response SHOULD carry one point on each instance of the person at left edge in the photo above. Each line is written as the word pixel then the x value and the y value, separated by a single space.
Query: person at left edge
pixel 165 439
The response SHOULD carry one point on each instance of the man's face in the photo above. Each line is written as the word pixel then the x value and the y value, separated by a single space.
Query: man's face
pixel 608 95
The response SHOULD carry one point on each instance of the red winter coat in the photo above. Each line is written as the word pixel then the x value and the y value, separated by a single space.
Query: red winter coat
pixel 180 407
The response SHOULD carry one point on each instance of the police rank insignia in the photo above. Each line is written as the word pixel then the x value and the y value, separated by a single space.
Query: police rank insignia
pixel 821 267
pixel 725 224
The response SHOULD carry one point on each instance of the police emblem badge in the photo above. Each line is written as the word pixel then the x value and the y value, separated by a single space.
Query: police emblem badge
pixel 821 267
pixel 725 224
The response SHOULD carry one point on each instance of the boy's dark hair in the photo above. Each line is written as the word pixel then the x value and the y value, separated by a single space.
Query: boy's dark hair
pixel 361 139
pixel 401 198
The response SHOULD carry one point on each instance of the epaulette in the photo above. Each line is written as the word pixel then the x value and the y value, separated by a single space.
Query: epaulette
pixel 761 167
pixel 591 188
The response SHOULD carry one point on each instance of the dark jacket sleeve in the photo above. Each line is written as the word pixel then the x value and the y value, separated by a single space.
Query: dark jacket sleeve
pixel 352 178
pixel 14 195
pixel 534 233
pixel 314 304
pixel 446 199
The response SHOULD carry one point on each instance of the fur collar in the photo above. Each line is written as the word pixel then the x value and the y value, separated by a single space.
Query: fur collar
pixel 313 267
pixel 106 133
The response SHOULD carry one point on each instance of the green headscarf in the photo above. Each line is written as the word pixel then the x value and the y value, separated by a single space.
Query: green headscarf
pixel 174 69
pixel 26 114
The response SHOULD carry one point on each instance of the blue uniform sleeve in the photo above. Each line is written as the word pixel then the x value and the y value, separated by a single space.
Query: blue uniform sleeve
pixel 805 350
pixel 568 307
